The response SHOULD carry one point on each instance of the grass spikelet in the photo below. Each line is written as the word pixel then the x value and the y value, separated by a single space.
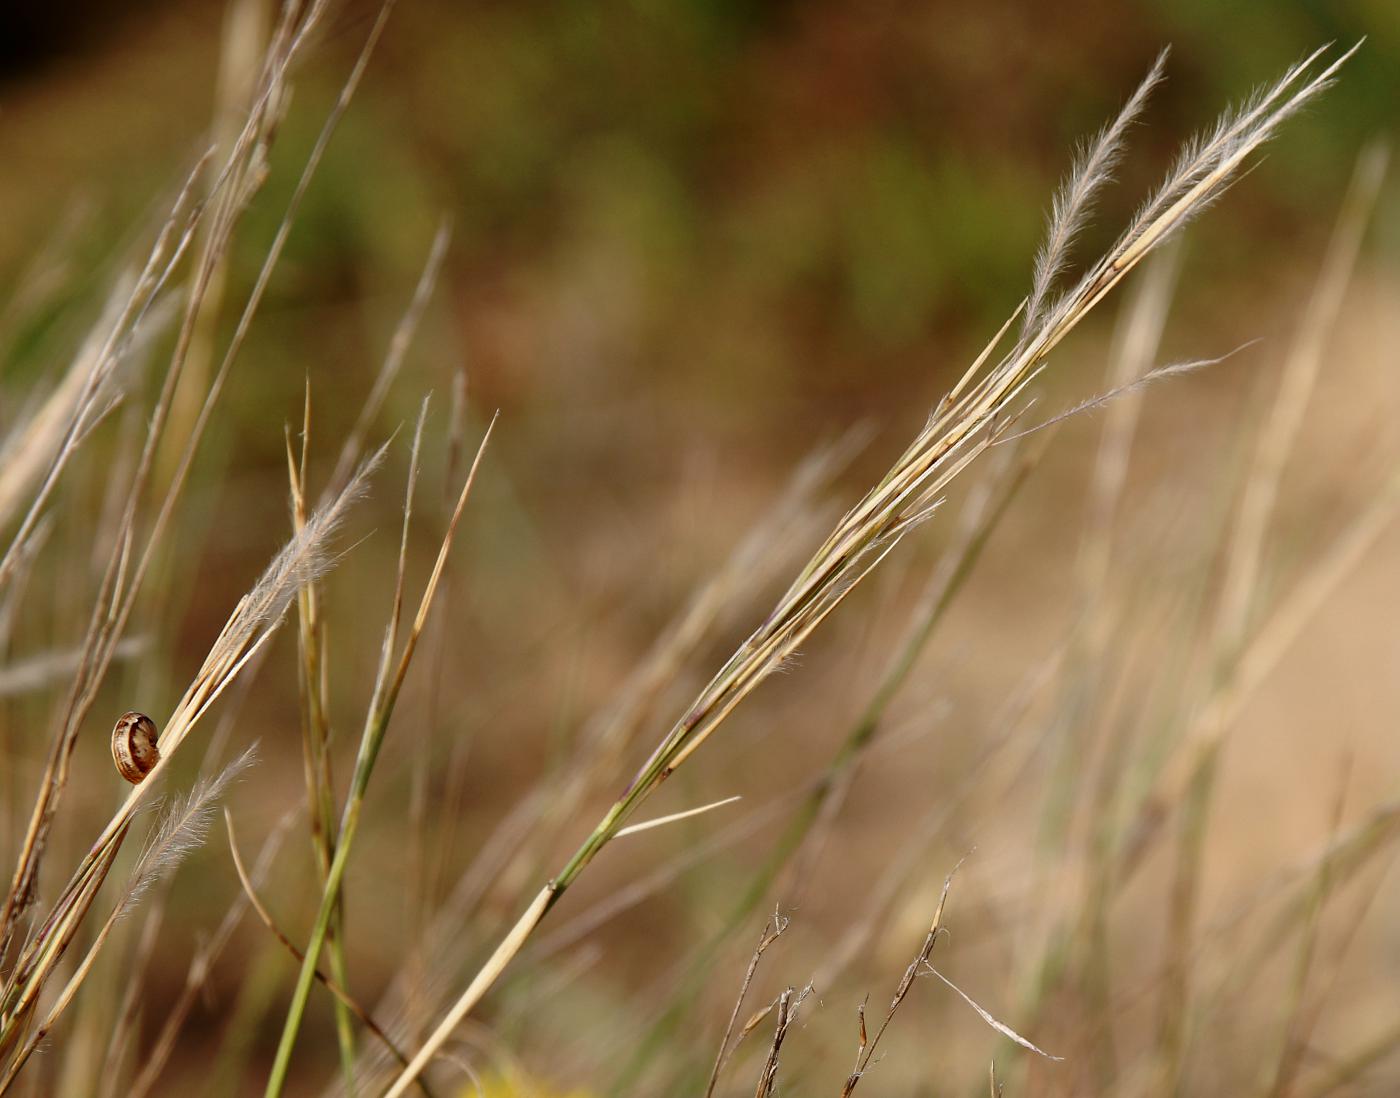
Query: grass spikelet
pixel 182 830
pixel 1074 201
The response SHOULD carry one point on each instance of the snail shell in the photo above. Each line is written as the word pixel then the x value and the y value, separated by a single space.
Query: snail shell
pixel 134 747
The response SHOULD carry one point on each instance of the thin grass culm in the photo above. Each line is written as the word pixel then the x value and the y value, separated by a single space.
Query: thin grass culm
pixel 253 622
pixel 388 683
pixel 973 415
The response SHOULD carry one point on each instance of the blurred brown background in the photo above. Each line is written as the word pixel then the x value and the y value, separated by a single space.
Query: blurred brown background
pixel 691 242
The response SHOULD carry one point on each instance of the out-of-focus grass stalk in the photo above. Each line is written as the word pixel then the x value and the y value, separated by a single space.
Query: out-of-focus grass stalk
pixel 1245 553
pixel 314 671
pixel 183 829
pixel 313 683
pixel 1135 347
pixel 1298 1015
pixel 252 623
pixel 1266 647
pixel 985 511
pixel 961 427
pixel 514 849
pixel 128 564
pixel 1344 857
pixel 1340 1074
pixel 388 683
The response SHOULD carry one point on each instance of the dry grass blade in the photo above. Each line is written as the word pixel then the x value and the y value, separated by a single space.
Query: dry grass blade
pixel 772 931
pixel 867 1046
pixel 662 821
pixel 570 931
pixel 786 1005
pixel 986 1016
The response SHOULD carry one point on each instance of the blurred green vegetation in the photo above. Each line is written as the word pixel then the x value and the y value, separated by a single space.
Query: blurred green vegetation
pixel 783 200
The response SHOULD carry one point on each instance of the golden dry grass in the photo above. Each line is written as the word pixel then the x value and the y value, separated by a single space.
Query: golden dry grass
pixel 1125 697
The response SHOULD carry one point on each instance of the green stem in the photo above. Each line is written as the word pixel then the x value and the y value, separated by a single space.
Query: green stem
pixel 344 1020
pixel 306 976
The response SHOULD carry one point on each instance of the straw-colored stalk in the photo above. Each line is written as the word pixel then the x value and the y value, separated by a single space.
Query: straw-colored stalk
pixel 252 624
pixel 962 426
pixel 388 684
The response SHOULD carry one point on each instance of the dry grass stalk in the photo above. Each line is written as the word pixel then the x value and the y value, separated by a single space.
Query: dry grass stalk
pixel 865 1050
pixel 250 894
pixel 253 622
pixel 388 683
pixel 772 931
pixel 786 1006
pixel 183 829
pixel 963 425
pixel 154 1059
pixel 127 565
pixel 1244 563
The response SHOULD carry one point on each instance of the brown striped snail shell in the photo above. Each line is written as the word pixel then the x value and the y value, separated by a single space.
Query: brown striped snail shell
pixel 134 747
